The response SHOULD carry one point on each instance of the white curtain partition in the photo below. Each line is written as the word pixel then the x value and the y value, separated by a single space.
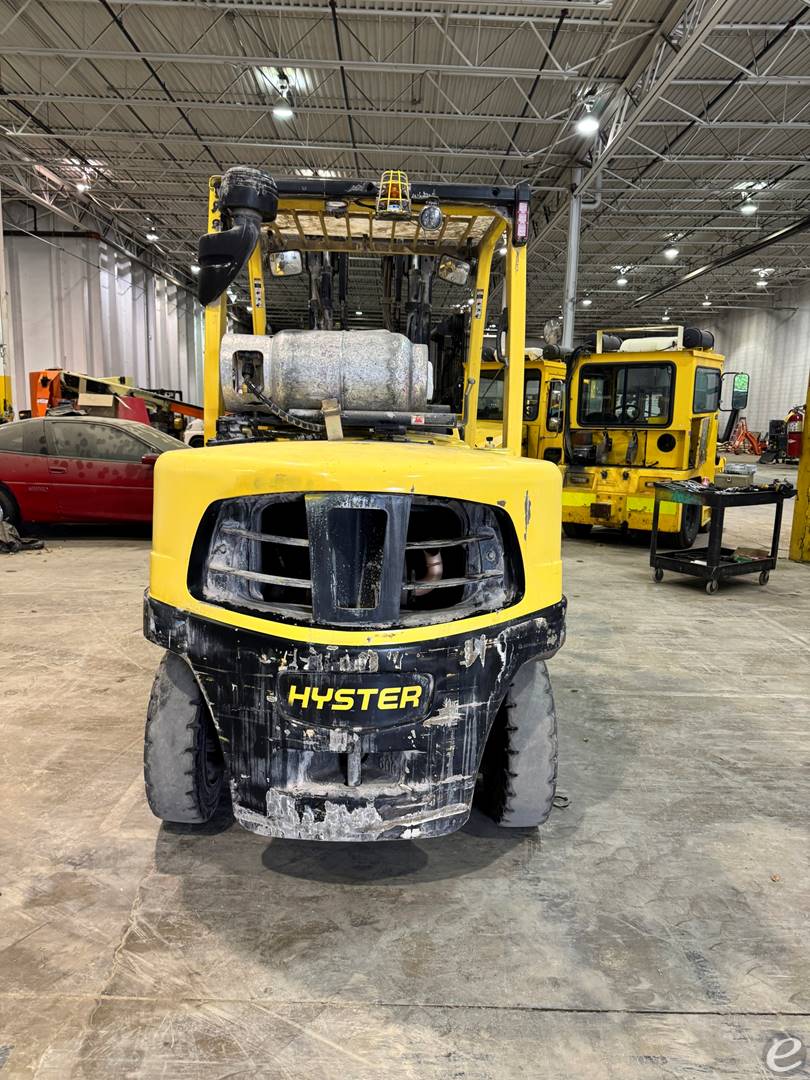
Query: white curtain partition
pixel 80 305
pixel 773 346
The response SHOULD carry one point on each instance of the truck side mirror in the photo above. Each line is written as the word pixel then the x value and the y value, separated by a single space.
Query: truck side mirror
pixel 738 390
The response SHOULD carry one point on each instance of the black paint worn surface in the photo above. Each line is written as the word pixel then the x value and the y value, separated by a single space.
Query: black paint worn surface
pixel 353 775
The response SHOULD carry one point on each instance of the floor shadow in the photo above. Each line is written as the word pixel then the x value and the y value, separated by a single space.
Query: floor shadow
pixel 477 845
pixel 467 851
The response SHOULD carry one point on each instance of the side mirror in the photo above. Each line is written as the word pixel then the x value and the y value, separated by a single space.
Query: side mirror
pixel 454 271
pixel 739 390
pixel 149 459
pixel 286 263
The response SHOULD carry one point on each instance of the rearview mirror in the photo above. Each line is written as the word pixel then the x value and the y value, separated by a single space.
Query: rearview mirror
pixel 286 263
pixel 739 390
pixel 454 271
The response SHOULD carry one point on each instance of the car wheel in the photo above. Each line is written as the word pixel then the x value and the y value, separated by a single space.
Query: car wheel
pixel 9 511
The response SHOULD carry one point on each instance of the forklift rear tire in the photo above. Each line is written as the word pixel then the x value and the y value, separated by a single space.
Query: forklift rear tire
pixel 182 759
pixel 9 512
pixel 574 530
pixel 519 768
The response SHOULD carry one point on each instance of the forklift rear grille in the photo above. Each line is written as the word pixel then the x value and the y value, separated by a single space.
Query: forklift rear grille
pixel 361 560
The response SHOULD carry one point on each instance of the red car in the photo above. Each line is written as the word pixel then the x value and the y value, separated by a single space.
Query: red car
pixel 79 469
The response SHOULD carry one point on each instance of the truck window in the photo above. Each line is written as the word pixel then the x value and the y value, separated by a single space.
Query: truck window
pixel 531 397
pixel 554 410
pixel 707 390
pixel 626 395
pixel 490 396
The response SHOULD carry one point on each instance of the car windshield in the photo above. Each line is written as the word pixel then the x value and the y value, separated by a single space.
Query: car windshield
pixel 626 395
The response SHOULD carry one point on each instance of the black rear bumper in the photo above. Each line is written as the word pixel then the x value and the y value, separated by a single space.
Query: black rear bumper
pixel 347 743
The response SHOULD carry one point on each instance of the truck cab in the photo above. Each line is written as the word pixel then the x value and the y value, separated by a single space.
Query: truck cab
pixel 543 406
pixel 643 408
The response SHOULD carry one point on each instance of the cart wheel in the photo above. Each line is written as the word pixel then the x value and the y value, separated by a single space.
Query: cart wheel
pixel 712 586
pixel 658 575
pixel 764 577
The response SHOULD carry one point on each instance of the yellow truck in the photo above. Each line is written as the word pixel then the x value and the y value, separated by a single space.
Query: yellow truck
pixel 643 407
pixel 543 406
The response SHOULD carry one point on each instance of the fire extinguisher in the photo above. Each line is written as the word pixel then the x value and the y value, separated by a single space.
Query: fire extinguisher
pixel 795 427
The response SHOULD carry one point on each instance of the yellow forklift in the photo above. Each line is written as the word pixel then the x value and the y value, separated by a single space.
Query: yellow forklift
pixel 543 406
pixel 643 408
pixel 356 603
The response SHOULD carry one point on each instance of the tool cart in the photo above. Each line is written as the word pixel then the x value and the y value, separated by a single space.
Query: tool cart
pixel 715 563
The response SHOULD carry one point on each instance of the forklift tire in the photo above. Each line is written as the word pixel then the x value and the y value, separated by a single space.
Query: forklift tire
pixel 574 530
pixel 183 765
pixel 519 768
pixel 9 512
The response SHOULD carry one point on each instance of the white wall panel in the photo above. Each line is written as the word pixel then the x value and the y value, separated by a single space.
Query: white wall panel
pixel 78 304
pixel 773 346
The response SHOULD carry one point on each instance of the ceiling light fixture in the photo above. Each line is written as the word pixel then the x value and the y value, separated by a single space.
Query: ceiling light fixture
pixel 358 312
pixel 82 187
pixel 665 317
pixel 748 208
pixel 195 269
pixel 762 284
pixel 586 301
pixel 151 236
pixel 671 252
pixel 587 124
pixel 621 281
pixel 706 303
pixel 283 110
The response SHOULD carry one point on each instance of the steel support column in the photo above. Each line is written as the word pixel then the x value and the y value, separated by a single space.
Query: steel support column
pixel 572 262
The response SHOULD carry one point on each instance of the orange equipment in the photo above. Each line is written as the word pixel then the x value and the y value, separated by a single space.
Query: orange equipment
pixel 162 408
pixel 745 441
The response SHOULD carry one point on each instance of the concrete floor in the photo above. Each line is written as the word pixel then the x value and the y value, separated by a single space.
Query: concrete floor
pixel 657 927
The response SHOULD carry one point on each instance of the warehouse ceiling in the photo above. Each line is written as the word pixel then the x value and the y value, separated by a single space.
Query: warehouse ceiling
pixel 702 146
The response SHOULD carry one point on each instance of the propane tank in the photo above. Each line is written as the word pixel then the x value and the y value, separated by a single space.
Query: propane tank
pixel 795 428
